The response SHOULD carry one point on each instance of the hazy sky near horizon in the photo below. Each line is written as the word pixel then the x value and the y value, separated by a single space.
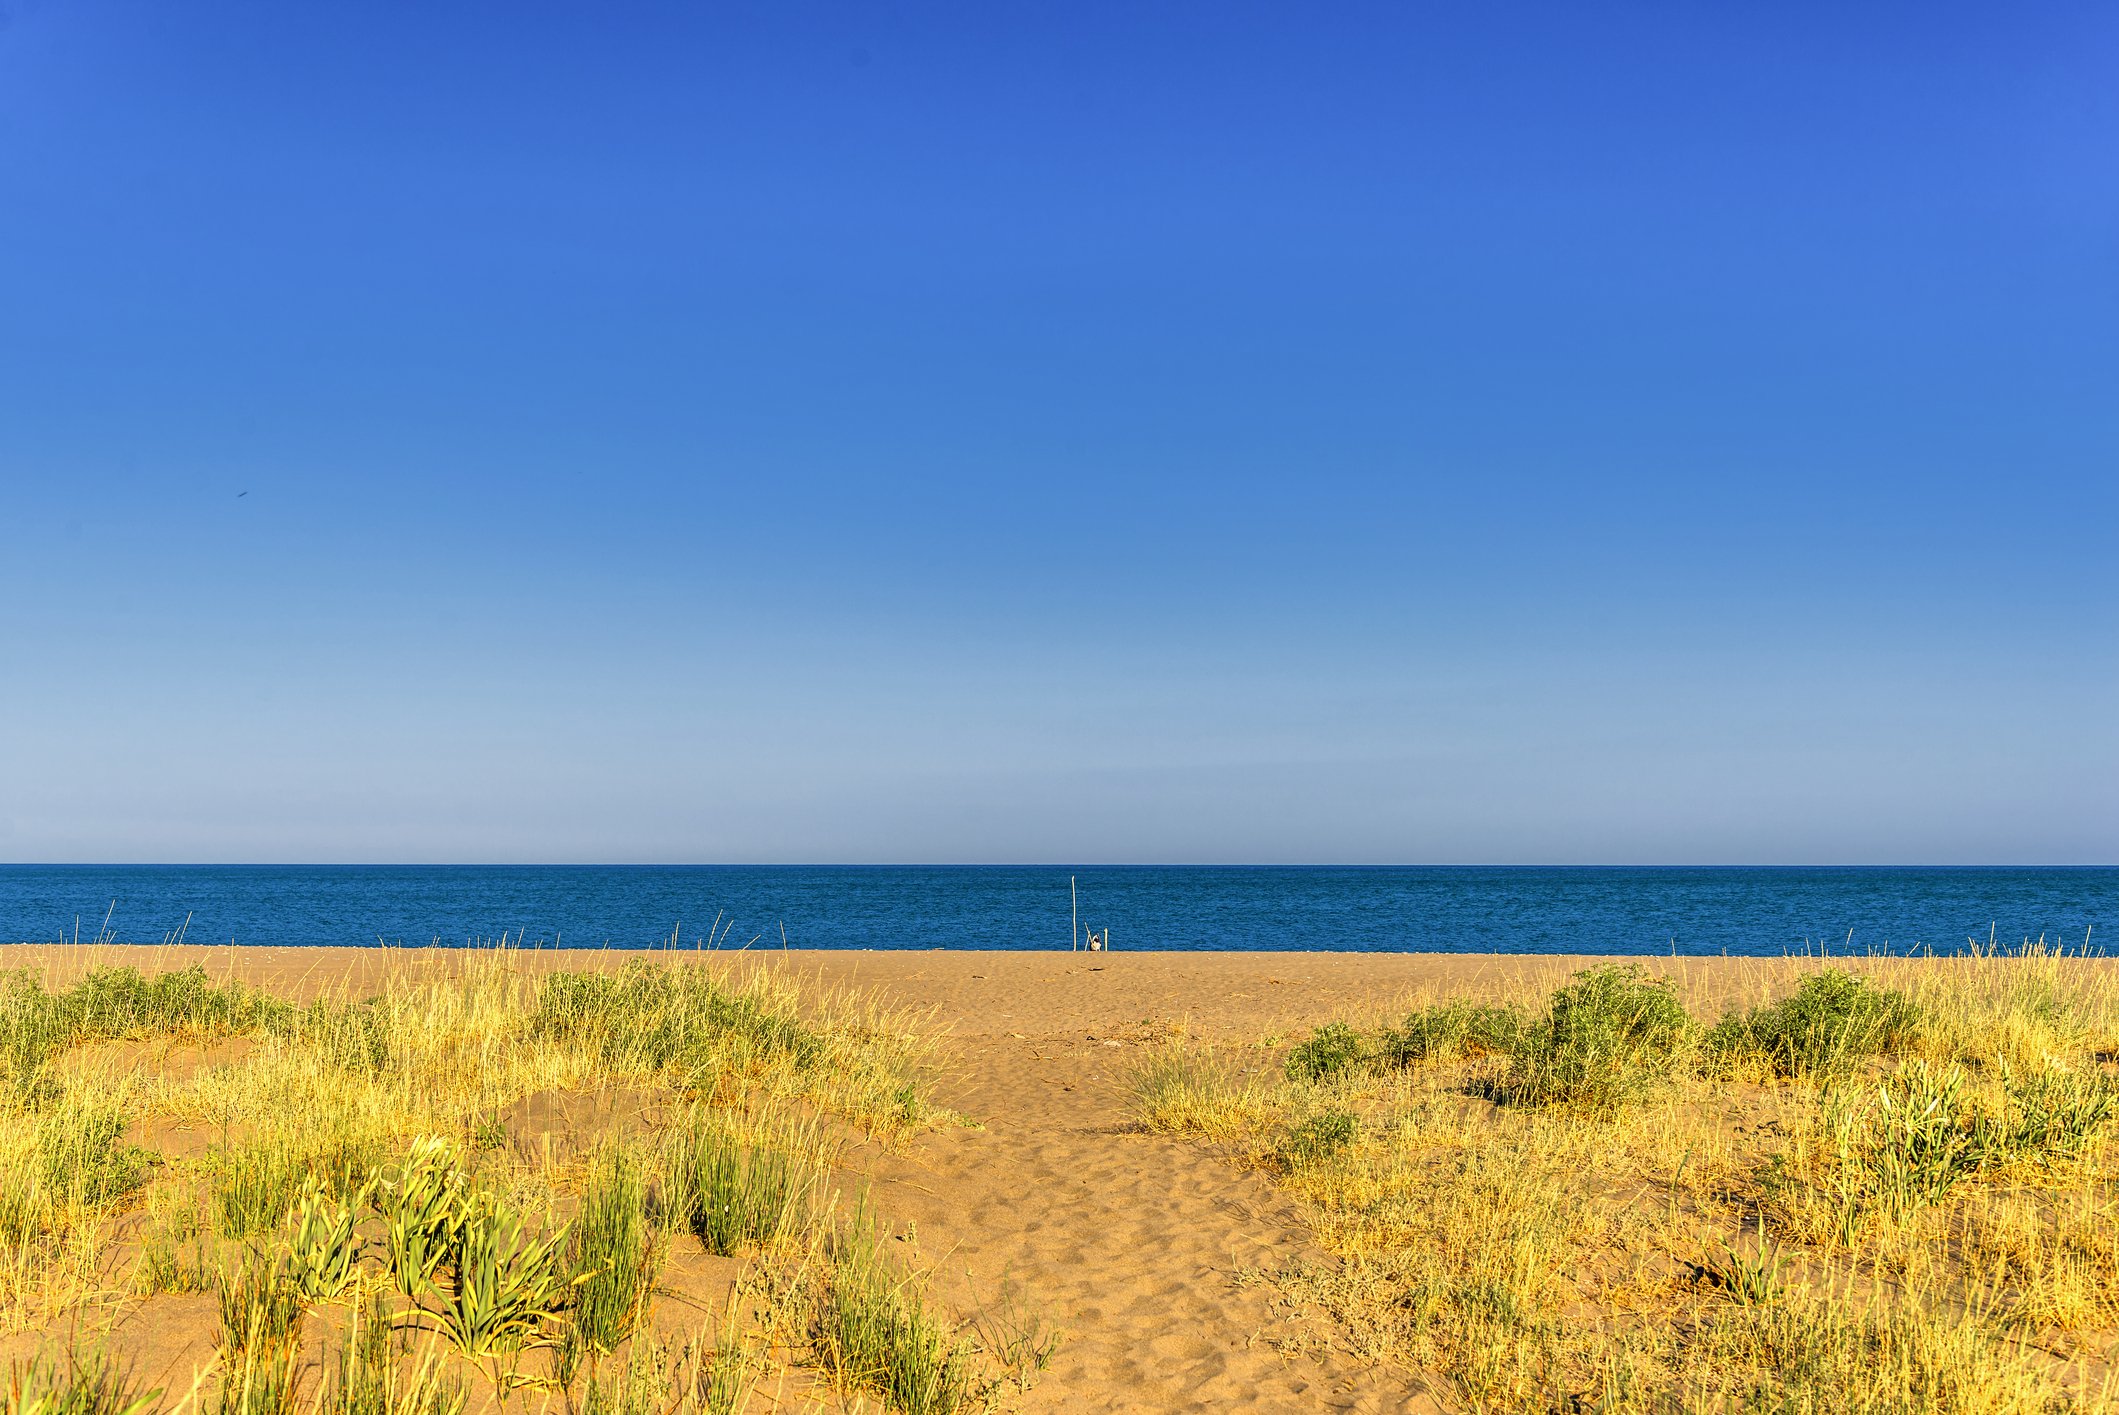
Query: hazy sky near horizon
pixel 1041 432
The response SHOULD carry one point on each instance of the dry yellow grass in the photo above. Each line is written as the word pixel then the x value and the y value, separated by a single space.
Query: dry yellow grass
pixel 1927 1229
pixel 171 1135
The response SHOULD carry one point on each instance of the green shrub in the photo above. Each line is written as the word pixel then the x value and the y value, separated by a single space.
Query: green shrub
pixel 1453 1029
pixel 1331 1050
pixel 1611 1034
pixel 1831 1023
pixel 1319 1137
pixel 114 1003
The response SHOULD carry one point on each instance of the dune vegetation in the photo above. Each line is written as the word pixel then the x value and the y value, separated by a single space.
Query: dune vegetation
pixel 467 1191
pixel 1884 1190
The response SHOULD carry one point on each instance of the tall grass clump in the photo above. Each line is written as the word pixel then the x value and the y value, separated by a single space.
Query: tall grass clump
pixel 650 1016
pixel 2031 1009
pixel 1832 1023
pixel 612 1258
pixel 1332 1050
pixel 82 1153
pixel 1180 1091
pixel 738 1190
pixel 1830 1350
pixel 63 1167
pixel 372 1375
pixel 261 1313
pixel 1610 1036
pixel 89 1383
pixel 723 1038
pixel 1906 1142
pixel 257 1181
pixel 877 1334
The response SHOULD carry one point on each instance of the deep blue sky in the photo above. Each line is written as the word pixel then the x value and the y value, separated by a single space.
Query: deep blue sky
pixel 1052 432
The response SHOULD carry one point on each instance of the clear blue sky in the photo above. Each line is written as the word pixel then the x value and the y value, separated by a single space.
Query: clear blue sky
pixel 1059 432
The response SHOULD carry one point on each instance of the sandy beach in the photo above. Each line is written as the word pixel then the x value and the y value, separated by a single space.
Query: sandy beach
pixel 1148 1252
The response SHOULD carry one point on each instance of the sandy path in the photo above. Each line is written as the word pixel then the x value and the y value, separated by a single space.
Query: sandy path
pixel 1130 1243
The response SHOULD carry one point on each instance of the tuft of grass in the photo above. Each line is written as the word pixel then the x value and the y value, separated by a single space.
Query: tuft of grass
pixel 1017 1336
pixel 1889 1150
pixel 85 1384
pixel 1611 1035
pixel 256 1183
pixel 612 1258
pixel 876 1332
pixel 1833 1021
pixel 725 1386
pixel 658 1017
pixel 260 1302
pixel 2047 1116
pixel 1752 1279
pixel 166 1267
pixel 261 1314
pixel 1179 1091
pixel 75 1164
pixel 372 1377
pixel 734 1194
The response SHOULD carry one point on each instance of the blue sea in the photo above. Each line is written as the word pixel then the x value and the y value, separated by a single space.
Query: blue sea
pixel 1530 909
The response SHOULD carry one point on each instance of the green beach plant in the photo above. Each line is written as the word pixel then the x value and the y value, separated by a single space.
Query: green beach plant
pixel 504 1288
pixel 420 1204
pixel 1452 1030
pixel 876 1332
pixel 612 1258
pixel 1318 1138
pixel 1833 1021
pixel 1609 1036
pixel 324 1247
pixel 1331 1051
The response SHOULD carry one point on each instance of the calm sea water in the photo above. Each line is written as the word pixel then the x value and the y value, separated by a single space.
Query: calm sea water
pixel 1450 909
